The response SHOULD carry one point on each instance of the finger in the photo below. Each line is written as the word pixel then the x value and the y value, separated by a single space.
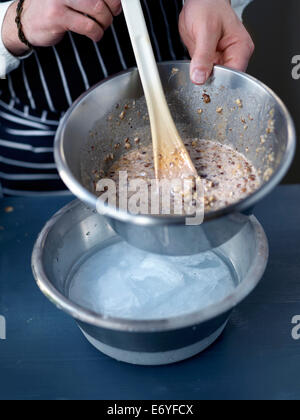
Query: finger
pixel 83 25
pixel 115 6
pixel 237 53
pixel 97 9
pixel 203 54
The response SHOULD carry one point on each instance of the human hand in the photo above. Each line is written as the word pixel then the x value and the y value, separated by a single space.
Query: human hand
pixel 45 22
pixel 213 34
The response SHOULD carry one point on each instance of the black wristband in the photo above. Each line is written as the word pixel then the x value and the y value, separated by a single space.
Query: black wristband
pixel 19 25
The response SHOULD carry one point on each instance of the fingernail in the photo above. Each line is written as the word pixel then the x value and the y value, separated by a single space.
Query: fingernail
pixel 199 77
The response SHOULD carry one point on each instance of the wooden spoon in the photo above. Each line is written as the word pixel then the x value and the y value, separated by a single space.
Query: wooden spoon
pixel 171 159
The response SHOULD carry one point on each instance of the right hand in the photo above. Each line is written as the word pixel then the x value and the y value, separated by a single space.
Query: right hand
pixel 46 22
pixel 213 34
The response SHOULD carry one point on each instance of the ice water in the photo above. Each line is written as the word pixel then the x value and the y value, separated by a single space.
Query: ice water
pixel 124 282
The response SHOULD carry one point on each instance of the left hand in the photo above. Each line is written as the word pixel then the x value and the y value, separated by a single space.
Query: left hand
pixel 213 34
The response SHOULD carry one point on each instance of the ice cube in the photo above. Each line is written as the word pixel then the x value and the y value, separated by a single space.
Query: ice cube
pixel 125 282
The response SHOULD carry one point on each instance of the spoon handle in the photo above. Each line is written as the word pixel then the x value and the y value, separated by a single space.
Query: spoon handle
pixel 143 51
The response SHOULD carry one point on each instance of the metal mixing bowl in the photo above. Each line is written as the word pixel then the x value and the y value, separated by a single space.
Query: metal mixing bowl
pixel 254 121
pixel 76 233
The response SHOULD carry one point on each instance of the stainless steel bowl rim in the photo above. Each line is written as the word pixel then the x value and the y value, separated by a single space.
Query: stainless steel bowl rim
pixel 84 195
pixel 81 314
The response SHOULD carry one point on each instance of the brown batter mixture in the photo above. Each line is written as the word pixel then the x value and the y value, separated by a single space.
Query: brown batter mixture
pixel 227 175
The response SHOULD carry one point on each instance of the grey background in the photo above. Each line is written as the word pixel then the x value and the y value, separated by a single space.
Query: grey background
pixel 275 28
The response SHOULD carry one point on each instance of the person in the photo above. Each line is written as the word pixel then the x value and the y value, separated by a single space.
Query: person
pixel 75 44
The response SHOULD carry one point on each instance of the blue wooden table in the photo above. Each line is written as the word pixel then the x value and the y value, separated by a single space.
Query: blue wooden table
pixel 46 357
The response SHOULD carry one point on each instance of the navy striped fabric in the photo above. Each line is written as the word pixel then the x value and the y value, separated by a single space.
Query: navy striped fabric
pixel 35 96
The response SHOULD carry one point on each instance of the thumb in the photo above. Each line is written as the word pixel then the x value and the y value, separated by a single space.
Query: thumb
pixel 203 56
